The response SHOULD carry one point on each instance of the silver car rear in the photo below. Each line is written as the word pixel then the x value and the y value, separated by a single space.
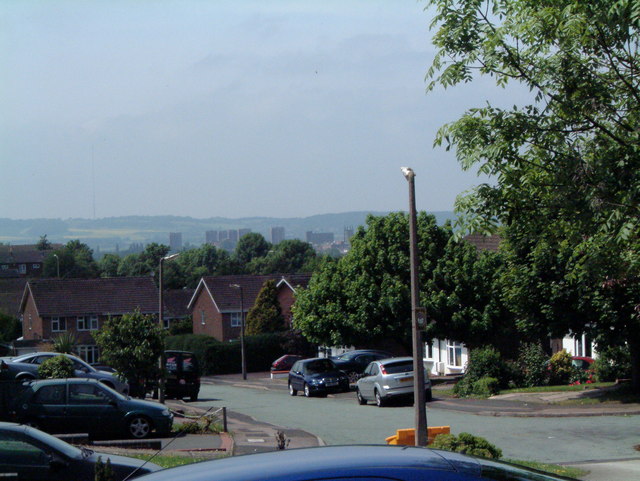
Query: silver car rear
pixel 389 378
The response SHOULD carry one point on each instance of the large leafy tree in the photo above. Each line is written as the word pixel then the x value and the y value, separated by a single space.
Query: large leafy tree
pixel 266 314
pixel 75 259
pixel 290 255
pixel 251 246
pixel 565 164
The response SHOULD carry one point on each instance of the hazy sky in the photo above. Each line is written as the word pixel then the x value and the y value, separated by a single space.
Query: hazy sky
pixel 221 108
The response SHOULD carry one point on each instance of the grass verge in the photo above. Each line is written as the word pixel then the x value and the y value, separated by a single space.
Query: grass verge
pixel 568 471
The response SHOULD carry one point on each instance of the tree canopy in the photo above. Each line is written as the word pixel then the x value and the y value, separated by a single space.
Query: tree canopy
pixel 565 164
pixel 75 260
pixel 265 315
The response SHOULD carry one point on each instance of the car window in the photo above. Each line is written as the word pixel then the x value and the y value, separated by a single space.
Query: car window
pixel 87 394
pixel 321 365
pixel 38 359
pixel 397 367
pixel 374 369
pixel 17 452
pixel 296 367
pixel 53 394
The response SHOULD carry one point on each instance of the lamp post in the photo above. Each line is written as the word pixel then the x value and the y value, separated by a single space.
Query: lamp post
pixel 417 317
pixel 243 359
pixel 57 265
pixel 161 324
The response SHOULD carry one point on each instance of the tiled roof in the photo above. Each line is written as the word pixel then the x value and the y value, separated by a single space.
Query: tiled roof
pixel 25 247
pixel 176 302
pixel 23 256
pixel 113 295
pixel 10 295
pixel 228 298
pixel 483 242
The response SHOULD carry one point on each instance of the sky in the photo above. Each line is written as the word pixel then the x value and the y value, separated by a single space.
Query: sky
pixel 205 108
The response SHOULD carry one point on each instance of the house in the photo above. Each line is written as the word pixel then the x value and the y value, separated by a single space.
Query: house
pixel 219 303
pixel 22 260
pixel 176 305
pixel 51 307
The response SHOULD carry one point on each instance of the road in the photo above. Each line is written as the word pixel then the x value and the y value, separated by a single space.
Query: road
pixel 340 420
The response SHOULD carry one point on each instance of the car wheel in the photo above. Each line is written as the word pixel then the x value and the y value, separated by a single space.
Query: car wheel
pixel 292 392
pixel 25 377
pixel 139 427
pixel 353 377
pixel 307 390
pixel 428 396
pixel 379 399
pixel 362 401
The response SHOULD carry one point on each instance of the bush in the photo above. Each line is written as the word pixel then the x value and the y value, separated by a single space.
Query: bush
pixel 484 363
pixel 561 370
pixel 532 361
pixel 613 363
pixel 486 386
pixel 58 367
pixel 466 443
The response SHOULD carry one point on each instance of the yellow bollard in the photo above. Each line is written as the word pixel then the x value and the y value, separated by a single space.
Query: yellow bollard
pixel 407 437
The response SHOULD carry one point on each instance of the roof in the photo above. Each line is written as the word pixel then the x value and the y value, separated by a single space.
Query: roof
pixel 23 256
pixel 10 295
pixel 484 242
pixel 176 302
pixel 103 296
pixel 227 298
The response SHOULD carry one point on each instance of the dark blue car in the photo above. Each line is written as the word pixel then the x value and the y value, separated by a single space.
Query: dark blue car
pixel 317 377
pixel 364 463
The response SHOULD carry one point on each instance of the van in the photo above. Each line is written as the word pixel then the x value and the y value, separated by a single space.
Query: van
pixel 183 375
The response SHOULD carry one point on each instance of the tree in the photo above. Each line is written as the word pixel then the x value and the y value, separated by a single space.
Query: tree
pixel 75 260
pixel 290 256
pixel 132 344
pixel 43 244
pixel 58 367
pixel 109 265
pixel 251 246
pixel 10 328
pixel 566 164
pixel 265 315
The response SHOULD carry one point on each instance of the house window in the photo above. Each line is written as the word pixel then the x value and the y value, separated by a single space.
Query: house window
pixel 22 268
pixel 35 266
pixel 89 353
pixel 5 267
pixel 93 323
pixel 236 319
pixel 165 323
pixel 202 316
pixel 58 324
pixel 429 349
pixel 81 323
pixel 454 354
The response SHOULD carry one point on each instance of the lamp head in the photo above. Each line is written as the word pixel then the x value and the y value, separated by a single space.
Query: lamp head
pixel 408 172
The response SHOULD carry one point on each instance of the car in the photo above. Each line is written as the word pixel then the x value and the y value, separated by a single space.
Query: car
pixel 25 367
pixel 317 376
pixel 387 379
pixel 183 375
pixel 34 455
pixel 355 362
pixel 88 406
pixel 371 463
pixel 582 362
pixel 284 363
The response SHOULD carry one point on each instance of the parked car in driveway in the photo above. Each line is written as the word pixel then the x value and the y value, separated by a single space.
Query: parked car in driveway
pixel 284 363
pixel 35 456
pixel 387 379
pixel 25 367
pixel 354 362
pixel 370 463
pixel 316 377
pixel 88 406
pixel 582 362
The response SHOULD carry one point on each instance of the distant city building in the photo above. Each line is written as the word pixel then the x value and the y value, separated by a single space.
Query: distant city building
pixel 348 233
pixel 175 241
pixel 232 235
pixel 243 232
pixel 211 236
pixel 223 235
pixel 319 237
pixel 277 235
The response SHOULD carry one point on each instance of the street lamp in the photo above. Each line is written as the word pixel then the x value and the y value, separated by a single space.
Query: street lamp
pixel 161 323
pixel 242 353
pixel 417 317
pixel 57 265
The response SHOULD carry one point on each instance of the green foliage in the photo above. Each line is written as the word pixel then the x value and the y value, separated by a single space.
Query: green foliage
pixel 485 373
pixel 532 361
pixel 486 386
pixel 132 344
pixel 613 363
pixel 10 328
pixel 109 265
pixel 183 326
pixel 251 246
pixel 290 256
pixel 43 244
pixel 466 443
pixel 58 367
pixel 103 471
pixel 144 263
pixel 266 314
pixel 75 260
pixel 203 425
pixel 560 368
pixel 65 343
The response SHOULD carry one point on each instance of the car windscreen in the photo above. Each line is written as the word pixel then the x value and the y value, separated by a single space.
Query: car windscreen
pixel 398 367
pixel 322 365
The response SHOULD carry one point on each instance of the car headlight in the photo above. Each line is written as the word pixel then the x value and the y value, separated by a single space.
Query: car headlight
pixel 166 412
pixel 315 382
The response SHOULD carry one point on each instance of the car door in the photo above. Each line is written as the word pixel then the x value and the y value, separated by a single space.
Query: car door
pixel 46 408
pixel 20 457
pixel 366 382
pixel 296 378
pixel 91 409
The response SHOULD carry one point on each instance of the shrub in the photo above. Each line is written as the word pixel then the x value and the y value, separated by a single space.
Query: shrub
pixel 466 443
pixel 613 363
pixel 64 343
pixel 484 363
pixel 58 367
pixel 486 386
pixel 560 368
pixel 532 362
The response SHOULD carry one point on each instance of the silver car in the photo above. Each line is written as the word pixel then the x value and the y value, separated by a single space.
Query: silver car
pixel 25 367
pixel 389 378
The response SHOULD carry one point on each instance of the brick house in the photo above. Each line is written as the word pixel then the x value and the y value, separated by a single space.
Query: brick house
pixel 22 260
pixel 215 305
pixel 51 307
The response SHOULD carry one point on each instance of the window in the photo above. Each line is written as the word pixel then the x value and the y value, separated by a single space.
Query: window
pixel 5 267
pixel 93 323
pixel 52 394
pixel 35 266
pixel 166 323
pixel 429 350
pixel 90 354
pixel 236 319
pixel 454 354
pixel 58 324
pixel 202 316
pixel 81 324
pixel 87 394
pixel 22 268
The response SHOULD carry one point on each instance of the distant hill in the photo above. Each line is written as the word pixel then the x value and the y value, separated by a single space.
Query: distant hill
pixel 106 233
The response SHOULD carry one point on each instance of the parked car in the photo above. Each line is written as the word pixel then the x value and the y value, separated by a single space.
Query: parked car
pixel 284 363
pixel 25 367
pixel 88 406
pixel 34 455
pixel 582 362
pixel 183 375
pixel 317 377
pixel 355 362
pixel 399 463
pixel 386 379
